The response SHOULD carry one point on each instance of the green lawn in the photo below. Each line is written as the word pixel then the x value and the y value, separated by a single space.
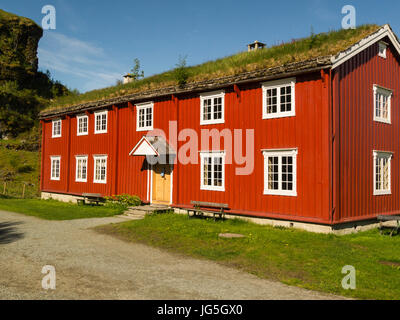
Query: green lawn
pixel 55 210
pixel 308 260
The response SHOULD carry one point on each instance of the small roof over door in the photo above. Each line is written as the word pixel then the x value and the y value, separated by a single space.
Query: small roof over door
pixel 152 146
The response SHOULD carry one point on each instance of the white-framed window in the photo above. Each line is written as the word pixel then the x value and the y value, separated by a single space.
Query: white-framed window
pixel 382 49
pixel 280 172
pixel 279 98
pixel 144 116
pixel 81 168
pixel 55 167
pixel 382 104
pixel 100 169
pixel 382 172
pixel 82 123
pixel 100 119
pixel 212 171
pixel 212 107
pixel 56 128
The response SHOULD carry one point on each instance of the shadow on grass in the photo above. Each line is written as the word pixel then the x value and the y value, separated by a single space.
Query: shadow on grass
pixel 9 233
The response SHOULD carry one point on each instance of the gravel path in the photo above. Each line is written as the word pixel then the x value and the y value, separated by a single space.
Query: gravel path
pixel 90 265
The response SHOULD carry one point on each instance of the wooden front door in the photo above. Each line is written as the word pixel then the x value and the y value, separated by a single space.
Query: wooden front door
pixel 162 183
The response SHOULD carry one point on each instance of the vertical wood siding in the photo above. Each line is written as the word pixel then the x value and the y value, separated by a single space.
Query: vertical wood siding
pixel 360 134
pixel 308 131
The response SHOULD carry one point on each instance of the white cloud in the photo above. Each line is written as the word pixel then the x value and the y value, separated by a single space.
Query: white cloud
pixel 79 61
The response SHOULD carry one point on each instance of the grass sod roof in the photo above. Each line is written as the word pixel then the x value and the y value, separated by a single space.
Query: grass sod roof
pixel 303 54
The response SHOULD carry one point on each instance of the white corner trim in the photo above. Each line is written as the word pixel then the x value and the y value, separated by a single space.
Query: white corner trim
pixel 383 32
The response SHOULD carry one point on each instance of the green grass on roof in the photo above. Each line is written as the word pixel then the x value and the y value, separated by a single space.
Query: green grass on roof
pixel 323 44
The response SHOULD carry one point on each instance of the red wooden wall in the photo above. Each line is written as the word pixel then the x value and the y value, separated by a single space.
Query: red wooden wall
pixel 308 131
pixel 359 134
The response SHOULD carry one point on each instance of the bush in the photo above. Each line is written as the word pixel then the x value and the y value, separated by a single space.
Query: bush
pixel 25 169
pixel 124 199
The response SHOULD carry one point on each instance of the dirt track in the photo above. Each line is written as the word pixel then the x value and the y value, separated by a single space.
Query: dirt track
pixel 90 265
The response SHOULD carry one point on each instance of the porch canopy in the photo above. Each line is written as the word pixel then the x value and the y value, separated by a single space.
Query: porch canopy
pixel 156 150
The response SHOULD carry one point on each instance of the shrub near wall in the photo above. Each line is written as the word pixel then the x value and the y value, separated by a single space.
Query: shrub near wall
pixel 124 199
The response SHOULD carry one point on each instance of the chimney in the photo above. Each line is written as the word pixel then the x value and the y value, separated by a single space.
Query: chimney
pixel 255 46
pixel 128 78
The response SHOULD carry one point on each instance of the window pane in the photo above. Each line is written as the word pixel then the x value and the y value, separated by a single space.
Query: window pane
pixel 218 171
pixel 207 109
pixel 217 108
pixel 287 173
pixel 207 169
pixel 273 175
pixel 286 99
pixel 272 99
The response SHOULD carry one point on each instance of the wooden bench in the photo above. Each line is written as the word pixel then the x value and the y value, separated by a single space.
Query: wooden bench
pixel 90 198
pixel 382 218
pixel 199 208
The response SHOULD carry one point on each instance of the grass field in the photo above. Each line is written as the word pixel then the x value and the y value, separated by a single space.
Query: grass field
pixel 55 210
pixel 308 260
pixel 19 167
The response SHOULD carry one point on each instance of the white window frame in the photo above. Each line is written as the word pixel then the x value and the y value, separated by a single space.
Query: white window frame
pixel 212 96
pixel 212 154
pixel 100 113
pixel 100 157
pixel 77 159
pixel 280 153
pixel 278 84
pixel 52 159
pixel 383 91
pixel 145 106
pixel 382 49
pixel 58 135
pixel 388 155
pixel 78 119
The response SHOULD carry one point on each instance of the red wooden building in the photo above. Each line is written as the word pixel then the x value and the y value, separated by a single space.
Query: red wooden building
pixel 313 142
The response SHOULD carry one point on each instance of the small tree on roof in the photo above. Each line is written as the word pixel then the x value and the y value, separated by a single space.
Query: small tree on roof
pixel 136 73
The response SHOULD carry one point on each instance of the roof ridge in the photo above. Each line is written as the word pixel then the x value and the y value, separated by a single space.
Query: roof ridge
pixel 304 65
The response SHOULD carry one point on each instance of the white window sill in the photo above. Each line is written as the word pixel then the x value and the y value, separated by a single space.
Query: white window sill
pixel 100 132
pixel 280 193
pixel 100 182
pixel 210 188
pixel 382 193
pixel 205 123
pixel 278 115
pixel 82 134
pixel 56 136
pixel 55 179
pixel 144 129
pixel 381 120
pixel 82 181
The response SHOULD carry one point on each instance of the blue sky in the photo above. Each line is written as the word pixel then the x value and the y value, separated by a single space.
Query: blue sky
pixel 95 42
